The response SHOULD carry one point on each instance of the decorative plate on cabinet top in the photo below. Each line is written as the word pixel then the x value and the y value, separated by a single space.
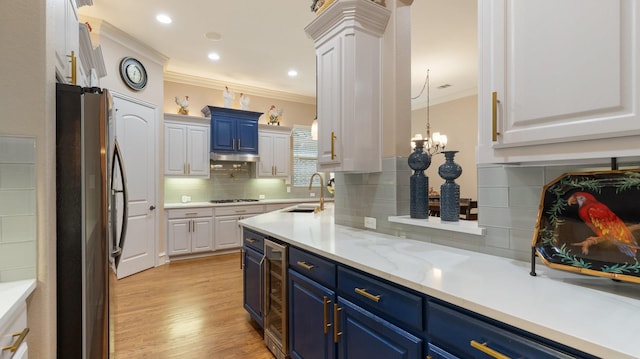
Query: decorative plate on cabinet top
pixel 589 222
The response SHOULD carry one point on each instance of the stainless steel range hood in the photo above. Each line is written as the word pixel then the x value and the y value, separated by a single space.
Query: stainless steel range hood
pixel 237 157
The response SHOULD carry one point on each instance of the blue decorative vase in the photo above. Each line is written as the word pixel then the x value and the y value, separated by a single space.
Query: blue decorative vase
pixel 419 161
pixel 449 191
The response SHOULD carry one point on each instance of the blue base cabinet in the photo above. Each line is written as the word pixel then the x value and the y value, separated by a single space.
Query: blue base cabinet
pixel 336 312
pixel 365 336
pixel 252 273
pixel 310 319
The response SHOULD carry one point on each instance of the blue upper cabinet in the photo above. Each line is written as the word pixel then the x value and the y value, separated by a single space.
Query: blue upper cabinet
pixel 234 131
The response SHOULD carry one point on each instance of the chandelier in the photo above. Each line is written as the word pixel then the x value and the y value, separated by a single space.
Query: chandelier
pixel 433 143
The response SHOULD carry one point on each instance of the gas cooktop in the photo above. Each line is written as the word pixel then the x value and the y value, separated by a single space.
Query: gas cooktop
pixel 232 200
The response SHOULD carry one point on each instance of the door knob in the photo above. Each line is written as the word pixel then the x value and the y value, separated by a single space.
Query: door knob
pixel 151 208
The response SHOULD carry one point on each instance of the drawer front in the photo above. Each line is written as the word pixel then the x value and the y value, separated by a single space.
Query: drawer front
pixel 467 337
pixel 253 239
pixel 384 299
pixel 312 266
pixel 239 210
pixel 17 323
pixel 189 213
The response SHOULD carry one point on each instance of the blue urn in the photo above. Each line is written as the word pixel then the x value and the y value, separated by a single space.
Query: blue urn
pixel 419 160
pixel 449 191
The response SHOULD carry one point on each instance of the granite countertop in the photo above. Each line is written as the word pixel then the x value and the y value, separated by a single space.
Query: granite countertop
pixel 592 314
pixel 11 295
pixel 262 201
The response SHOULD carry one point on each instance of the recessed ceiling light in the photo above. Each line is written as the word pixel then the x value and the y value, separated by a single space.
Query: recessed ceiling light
pixel 213 36
pixel 213 56
pixel 292 73
pixel 165 19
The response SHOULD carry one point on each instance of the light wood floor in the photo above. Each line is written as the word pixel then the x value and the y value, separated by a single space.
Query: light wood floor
pixel 186 309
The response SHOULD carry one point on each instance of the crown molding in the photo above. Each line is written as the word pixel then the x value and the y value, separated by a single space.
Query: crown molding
pixel 104 28
pixel 193 80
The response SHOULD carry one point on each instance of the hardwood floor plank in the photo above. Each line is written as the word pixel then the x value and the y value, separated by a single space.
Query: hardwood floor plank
pixel 185 309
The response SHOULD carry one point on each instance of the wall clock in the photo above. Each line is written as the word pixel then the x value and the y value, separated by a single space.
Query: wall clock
pixel 133 73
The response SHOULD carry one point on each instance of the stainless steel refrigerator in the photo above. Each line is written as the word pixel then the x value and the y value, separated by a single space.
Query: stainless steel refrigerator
pixel 90 231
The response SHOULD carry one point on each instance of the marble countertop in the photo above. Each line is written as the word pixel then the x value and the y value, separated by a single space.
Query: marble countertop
pixel 592 314
pixel 11 295
pixel 262 201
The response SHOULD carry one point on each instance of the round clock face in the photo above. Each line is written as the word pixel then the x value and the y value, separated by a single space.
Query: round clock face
pixel 133 73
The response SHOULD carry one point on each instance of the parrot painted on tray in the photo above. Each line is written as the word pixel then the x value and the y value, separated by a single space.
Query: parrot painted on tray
pixel 604 223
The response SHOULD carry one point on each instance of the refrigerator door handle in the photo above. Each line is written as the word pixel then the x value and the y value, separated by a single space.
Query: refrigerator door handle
pixel 118 243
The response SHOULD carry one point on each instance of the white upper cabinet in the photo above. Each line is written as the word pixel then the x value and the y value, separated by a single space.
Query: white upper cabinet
pixel 66 39
pixel 186 147
pixel 274 147
pixel 558 80
pixel 348 43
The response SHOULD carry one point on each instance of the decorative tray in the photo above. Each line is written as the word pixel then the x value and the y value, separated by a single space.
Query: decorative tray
pixel 589 222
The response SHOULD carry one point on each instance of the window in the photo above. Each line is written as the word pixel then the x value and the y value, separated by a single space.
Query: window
pixel 305 156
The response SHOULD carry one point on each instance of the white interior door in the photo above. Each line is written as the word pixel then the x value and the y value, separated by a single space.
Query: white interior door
pixel 135 130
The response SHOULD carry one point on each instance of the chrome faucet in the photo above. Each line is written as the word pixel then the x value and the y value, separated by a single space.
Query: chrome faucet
pixel 321 189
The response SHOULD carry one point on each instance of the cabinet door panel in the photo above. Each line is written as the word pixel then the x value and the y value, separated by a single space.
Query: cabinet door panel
pixel 266 145
pixel 175 153
pixel 247 136
pixel 202 234
pixel 227 232
pixel 307 308
pixel 223 133
pixel 179 236
pixel 366 336
pixel 560 80
pixel 198 150
pixel 281 155
pixel 253 291
pixel 329 102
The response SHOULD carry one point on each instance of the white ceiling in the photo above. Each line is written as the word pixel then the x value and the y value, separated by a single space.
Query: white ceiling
pixel 262 40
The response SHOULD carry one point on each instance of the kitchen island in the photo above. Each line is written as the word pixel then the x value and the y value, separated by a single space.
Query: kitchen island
pixel 593 315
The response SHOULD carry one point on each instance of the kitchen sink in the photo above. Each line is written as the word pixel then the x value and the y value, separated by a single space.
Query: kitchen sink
pixel 302 208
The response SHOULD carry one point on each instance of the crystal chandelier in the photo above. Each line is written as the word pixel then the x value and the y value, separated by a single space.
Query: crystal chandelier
pixel 433 143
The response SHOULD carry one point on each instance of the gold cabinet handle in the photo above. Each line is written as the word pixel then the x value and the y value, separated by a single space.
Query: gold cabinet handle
pixel 184 168
pixel 494 116
pixel 250 240
pixel 305 265
pixel 325 303
pixel 485 349
pixel 241 210
pixel 333 145
pixel 238 144
pixel 336 333
pixel 74 66
pixel 188 168
pixel 363 292
pixel 14 347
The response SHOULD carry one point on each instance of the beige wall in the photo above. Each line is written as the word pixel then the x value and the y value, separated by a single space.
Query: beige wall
pixel 27 99
pixel 295 113
pixel 458 119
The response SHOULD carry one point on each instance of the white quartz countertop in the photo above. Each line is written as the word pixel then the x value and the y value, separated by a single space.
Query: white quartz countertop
pixel 592 314
pixel 262 201
pixel 11 295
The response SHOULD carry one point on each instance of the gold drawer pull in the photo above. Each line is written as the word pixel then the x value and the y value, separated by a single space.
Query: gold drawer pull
pixel 305 265
pixel 363 292
pixel 250 240
pixel 241 210
pixel 494 116
pixel 333 145
pixel 485 349
pixel 336 333
pixel 325 313
pixel 13 348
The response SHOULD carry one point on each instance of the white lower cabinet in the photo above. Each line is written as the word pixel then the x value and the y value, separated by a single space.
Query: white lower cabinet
pixel 189 231
pixel 228 234
pixel 10 335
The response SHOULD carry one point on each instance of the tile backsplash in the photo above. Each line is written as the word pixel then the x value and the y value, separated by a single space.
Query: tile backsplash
pixel 229 182
pixel 17 208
